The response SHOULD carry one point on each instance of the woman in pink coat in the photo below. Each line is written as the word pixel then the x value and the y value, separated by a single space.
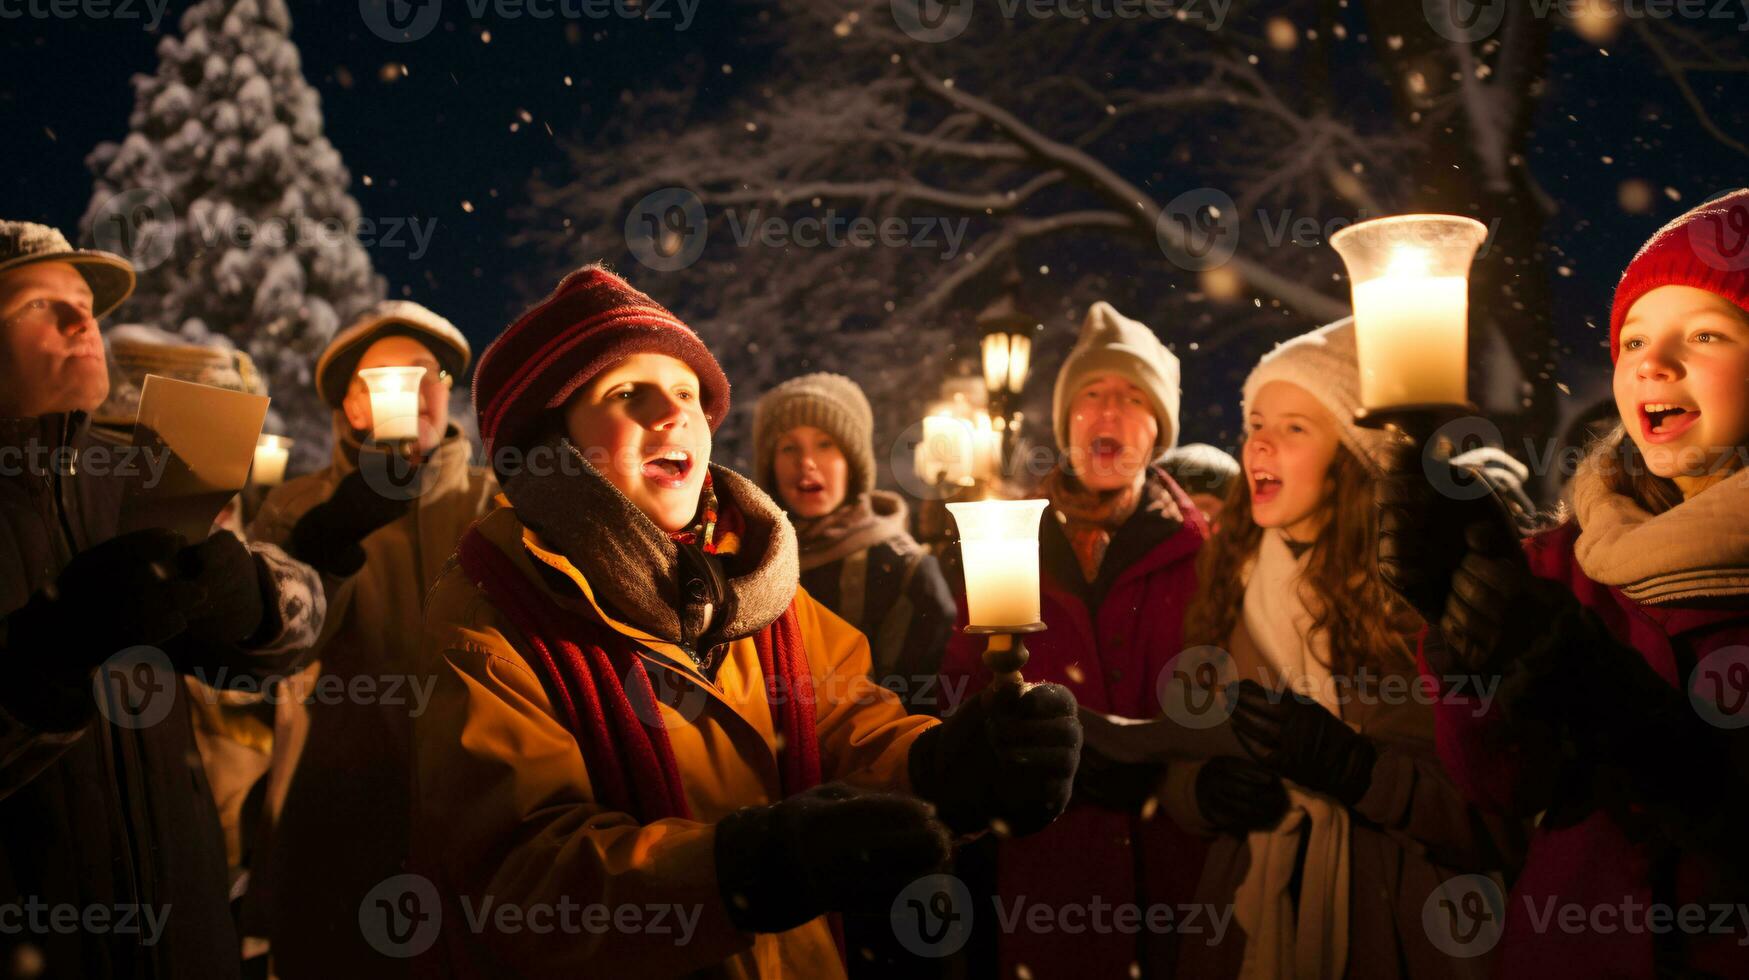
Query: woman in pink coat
pixel 1620 647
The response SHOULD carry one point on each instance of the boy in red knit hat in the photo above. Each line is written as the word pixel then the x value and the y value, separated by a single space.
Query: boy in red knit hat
pixel 640 709
pixel 1613 638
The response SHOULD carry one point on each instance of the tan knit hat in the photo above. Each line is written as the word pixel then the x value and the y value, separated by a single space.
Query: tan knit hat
pixel 389 318
pixel 831 403
pixel 1324 363
pixel 1111 343
pixel 110 276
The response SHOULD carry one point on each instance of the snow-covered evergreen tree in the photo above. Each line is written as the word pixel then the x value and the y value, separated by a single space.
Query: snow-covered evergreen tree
pixel 235 206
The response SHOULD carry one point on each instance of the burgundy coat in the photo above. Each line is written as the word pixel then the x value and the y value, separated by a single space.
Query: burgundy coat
pixel 1590 862
pixel 1111 655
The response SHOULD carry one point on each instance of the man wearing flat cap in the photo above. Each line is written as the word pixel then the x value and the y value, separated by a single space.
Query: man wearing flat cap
pixel 104 805
pixel 338 790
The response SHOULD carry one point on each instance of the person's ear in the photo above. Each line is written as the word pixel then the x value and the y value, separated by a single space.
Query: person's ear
pixel 356 406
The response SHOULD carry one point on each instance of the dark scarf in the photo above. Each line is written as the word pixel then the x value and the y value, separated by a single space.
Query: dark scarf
pixel 876 517
pixel 1089 518
pixel 596 674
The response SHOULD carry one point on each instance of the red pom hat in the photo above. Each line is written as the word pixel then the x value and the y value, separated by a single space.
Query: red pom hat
pixel 1707 248
pixel 593 320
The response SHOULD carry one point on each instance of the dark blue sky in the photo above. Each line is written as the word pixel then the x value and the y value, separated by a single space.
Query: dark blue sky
pixel 443 134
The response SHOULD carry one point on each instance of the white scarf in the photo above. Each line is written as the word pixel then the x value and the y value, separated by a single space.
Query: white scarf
pixel 1697 549
pixel 1312 940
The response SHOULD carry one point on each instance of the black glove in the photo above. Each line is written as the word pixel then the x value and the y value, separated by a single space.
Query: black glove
pixel 1456 561
pixel 1123 786
pixel 1237 796
pixel 831 849
pixel 1005 756
pixel 233 609
pixel 327 537
pixel 1300 740
pixel 125 592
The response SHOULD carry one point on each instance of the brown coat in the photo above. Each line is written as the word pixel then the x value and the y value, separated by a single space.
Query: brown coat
pixel 1410 832
pixel 338 792
pixel 505 806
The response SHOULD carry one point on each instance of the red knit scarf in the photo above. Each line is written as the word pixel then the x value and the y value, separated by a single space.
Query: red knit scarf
pixel 597 679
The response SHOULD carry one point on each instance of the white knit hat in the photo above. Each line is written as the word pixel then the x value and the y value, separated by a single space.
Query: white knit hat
pixel 1325 364
pixel 1111 343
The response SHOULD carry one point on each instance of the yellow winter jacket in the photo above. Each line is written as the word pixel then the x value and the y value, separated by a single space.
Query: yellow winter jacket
pixel 504 812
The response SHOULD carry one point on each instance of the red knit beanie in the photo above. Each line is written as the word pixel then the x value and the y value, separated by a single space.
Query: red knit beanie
pixel 1707 248
pixel 593 320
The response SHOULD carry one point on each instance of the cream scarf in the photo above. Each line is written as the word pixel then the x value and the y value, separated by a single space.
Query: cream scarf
pixel 1697 549
pixel 1310 941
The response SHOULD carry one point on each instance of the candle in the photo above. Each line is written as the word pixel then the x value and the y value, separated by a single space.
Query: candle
pixel 394 401
pixel 1411 283
pixel 999 548
pixel 271 453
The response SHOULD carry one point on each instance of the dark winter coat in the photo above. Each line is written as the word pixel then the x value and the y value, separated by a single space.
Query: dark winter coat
pixel 1582 857
pixel 107 819
pixel 1109 643
pixel 339 791
pixel 900 601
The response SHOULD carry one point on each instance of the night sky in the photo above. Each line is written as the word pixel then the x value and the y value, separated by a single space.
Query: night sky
pixel 453 130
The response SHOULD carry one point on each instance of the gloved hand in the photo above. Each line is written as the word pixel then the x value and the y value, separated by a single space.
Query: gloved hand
pixel 831 849
pixel 233 608
pixel 1237 796
pixel 1298 739
pixel 1458 563
pixel 127 591
pixel 327 537
pixel 1005 756
pixel 1122 786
